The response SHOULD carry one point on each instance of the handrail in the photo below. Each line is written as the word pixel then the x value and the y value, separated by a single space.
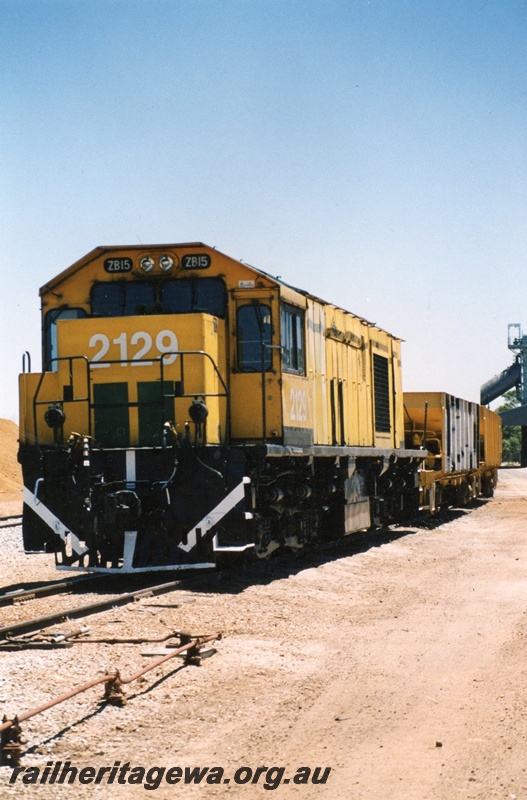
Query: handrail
pixel 226 394
pixel 26 356
pixel 47 371
pixel 162 377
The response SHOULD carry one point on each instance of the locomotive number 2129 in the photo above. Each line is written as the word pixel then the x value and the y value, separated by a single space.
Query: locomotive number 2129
pixel 165 343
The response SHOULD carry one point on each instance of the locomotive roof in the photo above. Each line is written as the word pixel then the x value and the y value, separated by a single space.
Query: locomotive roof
pixel 97 252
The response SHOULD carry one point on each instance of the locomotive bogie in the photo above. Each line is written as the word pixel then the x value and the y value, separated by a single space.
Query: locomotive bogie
pixel 300 499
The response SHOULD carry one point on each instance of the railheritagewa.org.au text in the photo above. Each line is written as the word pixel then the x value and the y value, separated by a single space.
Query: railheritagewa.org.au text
pixel 151 778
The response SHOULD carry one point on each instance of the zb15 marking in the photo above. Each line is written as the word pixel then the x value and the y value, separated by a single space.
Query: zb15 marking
pixel 118 265
pixel 196 261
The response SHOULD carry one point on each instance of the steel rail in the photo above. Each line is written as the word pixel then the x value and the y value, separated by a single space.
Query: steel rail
pixel 62 587
pixel 37 623
pixel 10 522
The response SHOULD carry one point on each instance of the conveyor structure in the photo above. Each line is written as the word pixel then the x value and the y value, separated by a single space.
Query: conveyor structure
pixel 514 376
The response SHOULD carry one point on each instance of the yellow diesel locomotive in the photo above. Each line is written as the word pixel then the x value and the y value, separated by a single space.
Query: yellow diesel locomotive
pixel 192 408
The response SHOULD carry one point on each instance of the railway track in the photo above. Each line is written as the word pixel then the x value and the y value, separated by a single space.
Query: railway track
pixel 33 633
pixel 69 585
pixel 10 522
pixel 77 612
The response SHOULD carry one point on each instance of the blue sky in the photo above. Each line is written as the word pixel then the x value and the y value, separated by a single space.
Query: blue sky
pixel 371 151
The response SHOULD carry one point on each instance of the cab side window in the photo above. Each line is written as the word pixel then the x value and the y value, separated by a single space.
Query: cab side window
pixel 293 340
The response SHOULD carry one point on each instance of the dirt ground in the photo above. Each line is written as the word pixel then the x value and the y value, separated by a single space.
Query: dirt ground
pixel 10 474
pixel 397 661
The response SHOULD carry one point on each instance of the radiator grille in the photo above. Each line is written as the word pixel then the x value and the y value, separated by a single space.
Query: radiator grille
pixel 381 392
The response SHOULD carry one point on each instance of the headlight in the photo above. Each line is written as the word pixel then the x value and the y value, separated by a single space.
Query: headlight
pixel 166 263
pixel 147 264
pixel 198 411
pixel 55 417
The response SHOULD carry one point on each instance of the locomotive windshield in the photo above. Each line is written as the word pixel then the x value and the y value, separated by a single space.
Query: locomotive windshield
pixel 123 299
pixel 198 294
pixel 130 298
